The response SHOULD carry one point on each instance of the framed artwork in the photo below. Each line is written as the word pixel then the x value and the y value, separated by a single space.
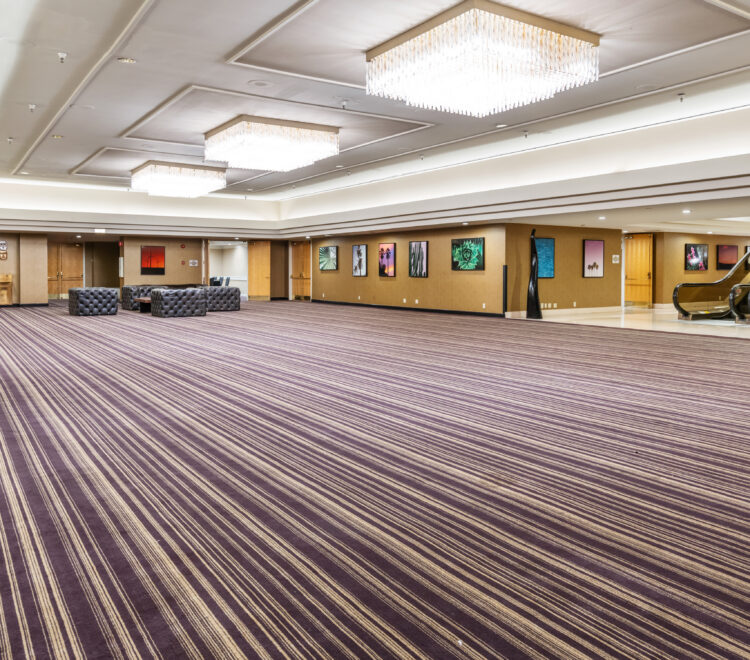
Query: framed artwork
pixel 545 249
pixel 387 260
pixel 328 257
pixel 696 256
pixel 418 259
pixel 593 258
pixel 152 260
pixel 726 257
pixel 359 260
pixel 467 254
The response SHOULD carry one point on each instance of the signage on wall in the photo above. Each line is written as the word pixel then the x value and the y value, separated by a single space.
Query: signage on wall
pixel 615 258
pixel 3 250
pixel 193 262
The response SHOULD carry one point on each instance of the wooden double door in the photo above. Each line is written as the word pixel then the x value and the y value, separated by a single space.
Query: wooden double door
pixel 64 268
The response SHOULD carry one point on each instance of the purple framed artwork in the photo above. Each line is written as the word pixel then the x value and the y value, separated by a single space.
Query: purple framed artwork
pixel 593 258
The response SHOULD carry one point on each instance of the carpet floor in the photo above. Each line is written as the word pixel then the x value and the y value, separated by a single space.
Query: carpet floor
pixel 315 481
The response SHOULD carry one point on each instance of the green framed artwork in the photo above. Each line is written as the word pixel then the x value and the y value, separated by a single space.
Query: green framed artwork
pixel 328 257
pixel 467 254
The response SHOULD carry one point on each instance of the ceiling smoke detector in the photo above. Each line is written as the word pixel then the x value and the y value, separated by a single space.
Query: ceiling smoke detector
pixel 62 56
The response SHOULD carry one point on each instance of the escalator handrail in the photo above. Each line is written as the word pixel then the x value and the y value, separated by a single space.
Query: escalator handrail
pixel 733 300
pixel 686 285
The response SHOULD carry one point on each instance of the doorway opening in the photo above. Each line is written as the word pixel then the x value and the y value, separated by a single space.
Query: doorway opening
pixel 227 262
pixel 64 268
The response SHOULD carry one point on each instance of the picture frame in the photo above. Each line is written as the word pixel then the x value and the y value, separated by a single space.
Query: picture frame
pixel 359 260
pixel 467 254
pixel 727 256
pixel 418 258
pixel 696 257
pixel 593 258
pixel 153 260
pixel 545 250
pixel 328 257
pixel 387 260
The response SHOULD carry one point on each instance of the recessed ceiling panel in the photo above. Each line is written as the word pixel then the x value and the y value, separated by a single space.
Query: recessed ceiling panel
pixel 191 115
pixel 118 163
pixel 328 40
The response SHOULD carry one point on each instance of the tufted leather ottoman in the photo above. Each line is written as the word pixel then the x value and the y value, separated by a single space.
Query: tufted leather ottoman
pixel 178 302
pixel 132 291
pixel 92 301
pixel 222 298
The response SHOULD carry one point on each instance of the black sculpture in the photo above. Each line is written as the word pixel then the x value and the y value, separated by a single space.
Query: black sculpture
pixel 533 308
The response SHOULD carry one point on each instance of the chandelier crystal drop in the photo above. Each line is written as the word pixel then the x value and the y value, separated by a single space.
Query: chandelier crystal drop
pixel 177 180
pixel 482 61
pixel 254 143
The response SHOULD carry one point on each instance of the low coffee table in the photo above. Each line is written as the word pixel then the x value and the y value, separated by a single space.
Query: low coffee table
pixel 144 305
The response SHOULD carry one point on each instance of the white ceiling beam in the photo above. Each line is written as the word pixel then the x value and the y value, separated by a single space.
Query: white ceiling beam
pixel 737 7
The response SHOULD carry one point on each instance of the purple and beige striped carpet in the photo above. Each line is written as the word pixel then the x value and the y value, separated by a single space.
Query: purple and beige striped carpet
pixel 314 481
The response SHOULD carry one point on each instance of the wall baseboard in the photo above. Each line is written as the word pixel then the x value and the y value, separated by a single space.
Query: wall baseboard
pixel 547 313
pixel 409 309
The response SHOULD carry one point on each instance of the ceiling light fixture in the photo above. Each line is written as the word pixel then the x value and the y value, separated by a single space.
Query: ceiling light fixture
pixel 501 125
pixel 480 58
pixel 126 60
pixel 686 211
pixel 100 231
pixel 602 217
pixel 57 137
pixel 78 236
pixel 259 143
pixel 177 179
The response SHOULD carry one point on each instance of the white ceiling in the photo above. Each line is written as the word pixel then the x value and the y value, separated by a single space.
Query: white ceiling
pixel 201 63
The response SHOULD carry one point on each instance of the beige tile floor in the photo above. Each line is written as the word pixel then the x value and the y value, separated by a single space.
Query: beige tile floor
pixel 664 320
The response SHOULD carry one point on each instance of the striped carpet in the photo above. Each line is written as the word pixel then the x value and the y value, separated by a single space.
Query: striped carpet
pixel 315 481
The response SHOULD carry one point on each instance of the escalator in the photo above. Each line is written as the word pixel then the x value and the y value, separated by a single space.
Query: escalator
pixel 726 298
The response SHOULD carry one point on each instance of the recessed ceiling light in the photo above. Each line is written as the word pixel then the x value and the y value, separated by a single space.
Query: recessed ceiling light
pixel 686 211
pixel 464 223
pixel 339 167
pixel 307 237
pixel 710 232
pixel 249 190
pixel 126 60
pixel 501 125
pixel 236 238
pixel 78 236
pixel 57 137
pixel 24 172
pixel 100 231
pixel 258 83
pixel 602 217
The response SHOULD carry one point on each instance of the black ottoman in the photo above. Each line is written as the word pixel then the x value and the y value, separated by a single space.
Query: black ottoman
pixel 92 301
pixel 222 298
pixel 178 302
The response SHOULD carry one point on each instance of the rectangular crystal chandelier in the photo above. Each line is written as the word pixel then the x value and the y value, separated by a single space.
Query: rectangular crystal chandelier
pixel 480 58
pixel 177 179
pixel 259 143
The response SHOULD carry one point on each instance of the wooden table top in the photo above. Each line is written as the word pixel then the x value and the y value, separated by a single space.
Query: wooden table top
pixel 142 300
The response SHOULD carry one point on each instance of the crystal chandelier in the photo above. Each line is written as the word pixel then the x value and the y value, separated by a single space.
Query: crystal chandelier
pixel 259 143
pixel 480 58
pixel 176 179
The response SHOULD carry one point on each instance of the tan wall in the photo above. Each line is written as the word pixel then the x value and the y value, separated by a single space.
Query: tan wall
pixel 442 289
pixel 669 261
pixel 175 271
pixel 568 286
pixel 33 262
pixel 11 265
pixel 27 262
pixel 279 269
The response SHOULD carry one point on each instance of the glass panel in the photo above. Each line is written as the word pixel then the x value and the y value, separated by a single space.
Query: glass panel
pixel 711 300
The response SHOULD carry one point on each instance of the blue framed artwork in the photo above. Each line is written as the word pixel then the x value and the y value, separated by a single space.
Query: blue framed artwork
pixel 545 249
